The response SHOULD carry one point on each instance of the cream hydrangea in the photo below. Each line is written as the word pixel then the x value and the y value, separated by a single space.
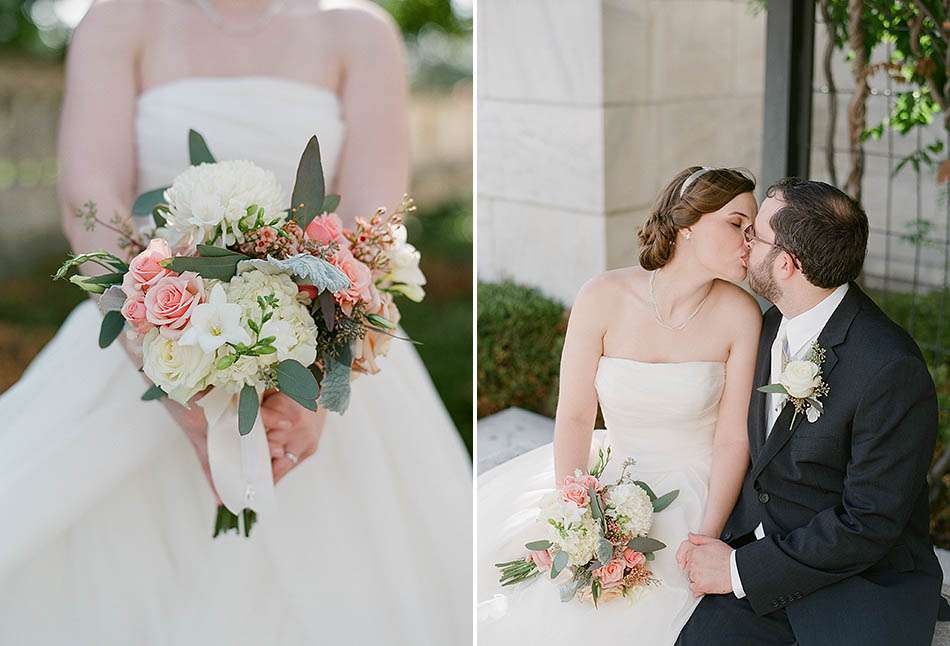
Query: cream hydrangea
pixel 180 370
pixel 571 528
pixel 630 505
pixel 291 323
pixel 208 201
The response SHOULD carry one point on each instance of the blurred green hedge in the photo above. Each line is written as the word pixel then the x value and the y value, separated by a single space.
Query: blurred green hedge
pixel 520 336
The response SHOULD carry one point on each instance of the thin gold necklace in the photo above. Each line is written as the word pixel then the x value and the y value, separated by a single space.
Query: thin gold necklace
pixel 656 310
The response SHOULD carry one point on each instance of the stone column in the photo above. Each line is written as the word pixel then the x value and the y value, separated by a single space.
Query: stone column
pixel 586 108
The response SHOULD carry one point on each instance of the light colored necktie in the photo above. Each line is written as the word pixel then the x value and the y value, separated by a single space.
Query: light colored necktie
pixel 779 360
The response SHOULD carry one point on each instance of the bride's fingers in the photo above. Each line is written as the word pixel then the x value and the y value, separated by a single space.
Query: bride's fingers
pixel 300 448
pixel 276 449
pixel 274 419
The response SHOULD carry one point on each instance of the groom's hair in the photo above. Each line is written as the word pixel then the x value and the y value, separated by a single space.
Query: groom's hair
pixel 823 227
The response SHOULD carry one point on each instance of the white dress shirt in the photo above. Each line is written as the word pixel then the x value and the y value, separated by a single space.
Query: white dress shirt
pixel 800 333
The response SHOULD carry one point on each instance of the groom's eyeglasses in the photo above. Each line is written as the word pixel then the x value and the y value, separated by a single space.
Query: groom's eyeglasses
pixel 749 234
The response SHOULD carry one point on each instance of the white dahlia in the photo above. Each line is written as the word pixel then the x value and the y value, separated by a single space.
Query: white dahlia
pixel 209 200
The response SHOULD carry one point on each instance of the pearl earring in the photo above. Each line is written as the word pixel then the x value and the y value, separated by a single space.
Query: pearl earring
pixel 687 234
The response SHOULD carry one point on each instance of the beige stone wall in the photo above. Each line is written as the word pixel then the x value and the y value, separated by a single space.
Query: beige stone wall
pixel 586 109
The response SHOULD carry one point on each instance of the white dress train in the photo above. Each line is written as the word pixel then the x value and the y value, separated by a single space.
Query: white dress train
pixel 106 517
pixel 664 416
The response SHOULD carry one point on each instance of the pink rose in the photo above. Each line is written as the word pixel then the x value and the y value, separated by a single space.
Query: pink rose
pixel 361 283
pixel 633 558
pixel 145 270
pixel 576 493
pixel 611 574
pixel 325 229
pixel 171 301
pixel 586 481
pixel 134 312
pixel 375 344
pixel 541 558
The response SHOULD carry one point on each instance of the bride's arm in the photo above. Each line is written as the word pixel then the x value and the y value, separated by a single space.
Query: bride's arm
pixel 96 146
pixel 730 458
pixel 577 399
pixel 374 164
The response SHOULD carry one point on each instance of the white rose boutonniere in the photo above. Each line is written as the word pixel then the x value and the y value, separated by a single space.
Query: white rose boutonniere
pixel 801 382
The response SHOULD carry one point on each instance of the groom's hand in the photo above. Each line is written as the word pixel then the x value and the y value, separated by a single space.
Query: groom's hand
pixel 708 566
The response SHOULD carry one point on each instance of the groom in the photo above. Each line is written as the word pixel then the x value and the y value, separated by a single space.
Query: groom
pixel 829 540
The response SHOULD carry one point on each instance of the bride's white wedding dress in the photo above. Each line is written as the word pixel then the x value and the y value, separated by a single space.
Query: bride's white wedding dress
pixel 106 517
pixel 664 416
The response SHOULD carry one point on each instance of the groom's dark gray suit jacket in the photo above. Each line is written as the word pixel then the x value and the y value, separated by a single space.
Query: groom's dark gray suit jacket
pixel 843 500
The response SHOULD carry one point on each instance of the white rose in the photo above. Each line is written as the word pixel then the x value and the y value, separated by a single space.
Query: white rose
pixel 208 195
pixel 800 379
pixel 180 370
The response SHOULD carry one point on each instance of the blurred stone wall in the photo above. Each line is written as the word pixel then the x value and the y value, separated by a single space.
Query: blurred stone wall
pixel 587 108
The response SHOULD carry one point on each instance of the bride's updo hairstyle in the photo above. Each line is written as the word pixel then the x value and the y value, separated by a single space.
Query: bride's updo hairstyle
pixel 694 192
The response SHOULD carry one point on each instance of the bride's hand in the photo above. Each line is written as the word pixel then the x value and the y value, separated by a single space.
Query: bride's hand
pixel 292 430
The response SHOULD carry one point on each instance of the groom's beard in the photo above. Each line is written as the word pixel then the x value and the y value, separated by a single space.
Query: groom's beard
pixel 761 280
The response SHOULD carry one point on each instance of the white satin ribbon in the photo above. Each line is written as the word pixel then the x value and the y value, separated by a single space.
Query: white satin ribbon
pixel 240 465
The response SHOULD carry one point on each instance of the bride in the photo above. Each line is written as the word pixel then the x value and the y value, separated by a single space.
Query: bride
pixel 668 350
pixel 107 516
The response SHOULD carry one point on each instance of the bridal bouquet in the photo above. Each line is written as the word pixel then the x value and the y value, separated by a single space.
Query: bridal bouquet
pixel 233 293
pixel 596 532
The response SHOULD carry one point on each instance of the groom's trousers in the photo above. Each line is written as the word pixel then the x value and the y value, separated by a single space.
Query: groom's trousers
pixel 724 620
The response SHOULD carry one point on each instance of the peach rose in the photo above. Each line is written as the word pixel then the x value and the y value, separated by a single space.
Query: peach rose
pixel 576 493
pixel 541 558
pixel 586 481
pixel 145 270
pixel 633 558
pixel 375 344
pixel 134 312
pixel 611 574
pixel 325 229
pixel 170 302
pixel 361 283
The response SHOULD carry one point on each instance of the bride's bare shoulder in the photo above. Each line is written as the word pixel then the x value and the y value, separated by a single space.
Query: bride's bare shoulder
pixel 115 22
pixel 359 19
pixel 608 289
pixel 737 308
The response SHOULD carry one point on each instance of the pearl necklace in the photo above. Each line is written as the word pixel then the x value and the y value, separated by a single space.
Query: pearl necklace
pixel 255 25
pixel 656 310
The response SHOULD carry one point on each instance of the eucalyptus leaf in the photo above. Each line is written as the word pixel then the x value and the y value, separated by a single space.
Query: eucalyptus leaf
pixel 146 202
pixel 112 324
pixel 595 504
pixel 330 202
pixel 295 380
pixel 605 551
pixel 328 308
pixel 309 188
pixel 646 488
pixel 650 556
pixel 335 389
pixel 217 267
pixel 569 590
pixel 773 388
pixel 248 405
pixel 198 150
pixel 664 501
pixel 558 564
pixel 645 544
pixel 154 392
pixel 212 251
pixel 112 299
pixel 537 546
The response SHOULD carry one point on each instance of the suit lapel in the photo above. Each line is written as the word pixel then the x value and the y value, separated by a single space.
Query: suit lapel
pixel 763 367
pixel 833 335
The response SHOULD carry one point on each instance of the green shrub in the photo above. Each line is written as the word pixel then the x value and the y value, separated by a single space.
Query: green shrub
pixel 520 336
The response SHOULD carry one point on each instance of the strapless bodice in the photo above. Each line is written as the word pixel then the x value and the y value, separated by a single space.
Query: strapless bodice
pixel 266 120
pixel 667 410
